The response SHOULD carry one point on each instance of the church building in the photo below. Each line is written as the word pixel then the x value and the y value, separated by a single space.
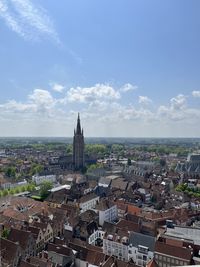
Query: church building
pixel 78 147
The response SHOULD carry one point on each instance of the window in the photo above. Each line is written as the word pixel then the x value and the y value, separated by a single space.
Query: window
pixel 144 257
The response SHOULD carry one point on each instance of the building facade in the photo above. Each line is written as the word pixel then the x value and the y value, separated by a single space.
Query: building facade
pixel 45 178
pixel 78 147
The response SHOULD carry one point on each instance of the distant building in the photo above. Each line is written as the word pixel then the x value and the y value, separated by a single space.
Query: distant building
pixel 191 166
pixel 45 178
pixel 78 147
pixel 9 185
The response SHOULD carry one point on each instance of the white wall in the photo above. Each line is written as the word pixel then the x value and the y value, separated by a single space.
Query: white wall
pixel 88 205
pixel 108 215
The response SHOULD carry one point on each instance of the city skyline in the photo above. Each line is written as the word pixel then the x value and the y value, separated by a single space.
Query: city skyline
pixel 131 68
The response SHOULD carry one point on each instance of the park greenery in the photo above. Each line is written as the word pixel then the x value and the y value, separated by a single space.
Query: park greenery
pixel 94 167
pixel 192 192
pixel 44 191
pixel 36 168
pixel 16 190
pixel 165 149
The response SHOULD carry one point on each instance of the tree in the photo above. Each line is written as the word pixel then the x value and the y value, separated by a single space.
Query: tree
pixel 95 149
pixel 36 168
pixel 5 233
pixel 5 192
pixel 129 162
pixel 44 188
pixel 94 167
pixel 10 172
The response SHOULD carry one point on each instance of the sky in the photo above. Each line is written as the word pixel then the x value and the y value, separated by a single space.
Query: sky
pixel 130 67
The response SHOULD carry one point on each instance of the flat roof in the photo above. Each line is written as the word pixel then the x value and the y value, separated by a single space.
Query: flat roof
pixel 65 186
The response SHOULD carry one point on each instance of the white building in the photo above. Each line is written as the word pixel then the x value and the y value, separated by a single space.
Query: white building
pixel 115 245
pixel 88 202
pixel 184 233
pixel 107 211
pixel 95 236
pixel 13 185
pixel 141 248
pixel 40 179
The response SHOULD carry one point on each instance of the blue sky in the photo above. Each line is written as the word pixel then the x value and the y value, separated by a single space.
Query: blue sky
pixel 130 67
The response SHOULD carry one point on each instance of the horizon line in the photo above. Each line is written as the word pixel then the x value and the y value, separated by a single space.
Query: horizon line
pixel 143 137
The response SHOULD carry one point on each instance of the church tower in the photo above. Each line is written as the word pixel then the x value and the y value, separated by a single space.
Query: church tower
pixel 78 147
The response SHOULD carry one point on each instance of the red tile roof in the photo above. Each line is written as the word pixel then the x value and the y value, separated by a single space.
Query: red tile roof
pixel 178 252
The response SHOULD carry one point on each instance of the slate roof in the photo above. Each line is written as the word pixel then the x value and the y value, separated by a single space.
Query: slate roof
pixel 137 239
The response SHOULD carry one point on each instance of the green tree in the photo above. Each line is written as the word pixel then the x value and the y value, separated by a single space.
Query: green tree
pixel 10 172
pixel 5 192
pixel 36 168
pixel 129 162
pixel 94 167
pixel 95 149
pixel 44 188
pixel 5 233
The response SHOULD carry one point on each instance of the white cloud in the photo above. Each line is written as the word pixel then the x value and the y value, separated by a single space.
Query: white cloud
pixel 57 87
pixel 28 20
pixel 178 102
pixel 144 100
pixel 39 102
pixel 196 93
pixel 42 98
pixel 104 113
pixel 128 87
pixel 90 94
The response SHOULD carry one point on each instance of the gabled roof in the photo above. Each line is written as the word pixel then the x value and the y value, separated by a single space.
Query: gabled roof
pixel 62 250
pixel 128 225
pixel 152 263
pixel 104 204
pixel 87 197
pixel 178 252
pixel 8 250
pixel 40 262
pixel 112 261
pixel 20 236
pixel 27 264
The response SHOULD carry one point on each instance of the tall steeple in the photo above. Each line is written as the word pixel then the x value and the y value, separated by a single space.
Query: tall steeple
pixel 78 146
pixel 78 127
